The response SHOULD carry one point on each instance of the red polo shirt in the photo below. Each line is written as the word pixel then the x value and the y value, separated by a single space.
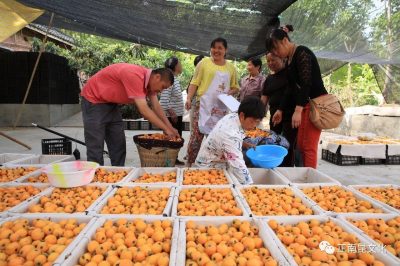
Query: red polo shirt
pixel 118 83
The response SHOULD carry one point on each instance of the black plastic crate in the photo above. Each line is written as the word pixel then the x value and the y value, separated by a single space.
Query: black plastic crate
pixel 339 159
pixel 186 126
pixel 56 146
pixel 144 125
pixel 372 161
pixel 394 159
pixel 134 125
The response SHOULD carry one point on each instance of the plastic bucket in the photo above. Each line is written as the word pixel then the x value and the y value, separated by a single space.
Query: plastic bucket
pixel 267 156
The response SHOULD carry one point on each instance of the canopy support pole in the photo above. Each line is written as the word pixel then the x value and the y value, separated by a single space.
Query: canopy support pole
pixel 15 140
pixel 42 47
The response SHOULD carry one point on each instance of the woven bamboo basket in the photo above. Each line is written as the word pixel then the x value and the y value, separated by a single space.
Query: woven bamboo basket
pixel 157 156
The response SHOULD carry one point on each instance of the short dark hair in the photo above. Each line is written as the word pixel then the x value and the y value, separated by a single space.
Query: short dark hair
pixel 252 106
pixel 171 63
pixel 198 59
pixel 166 74
pixel 277 35
pixel 256 62
pixel 220 40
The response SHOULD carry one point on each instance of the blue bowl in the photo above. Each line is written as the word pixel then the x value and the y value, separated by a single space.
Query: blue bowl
pixel 267 156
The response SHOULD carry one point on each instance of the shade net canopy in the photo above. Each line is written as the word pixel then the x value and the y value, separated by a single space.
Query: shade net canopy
pixel 187 26
pixel 338 31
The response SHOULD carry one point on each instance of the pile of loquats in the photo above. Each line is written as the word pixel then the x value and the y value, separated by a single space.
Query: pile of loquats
pixel 384 232
pixel 107 176
pixel 156 178
pixel 35 242
pixel 12 196
pixel 207 202
pixel 237 244
pixel 67 200
pixel 10 174
pixel 388 195
pixel 274 201
pixel 129 243
pixel 337 199
pixel 137 200
pixel 159 136
pixel 302 242
pixel 255 133
pixel 41 178
pixel 205 177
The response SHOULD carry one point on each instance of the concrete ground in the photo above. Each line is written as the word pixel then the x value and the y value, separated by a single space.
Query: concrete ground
pixel 374 174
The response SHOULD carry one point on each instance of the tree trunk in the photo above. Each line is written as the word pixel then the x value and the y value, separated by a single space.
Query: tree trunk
pixel 389 85
pixel 349 89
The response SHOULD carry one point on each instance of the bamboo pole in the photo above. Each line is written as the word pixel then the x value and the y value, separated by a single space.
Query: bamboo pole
pixel 15 140
pixel 33 72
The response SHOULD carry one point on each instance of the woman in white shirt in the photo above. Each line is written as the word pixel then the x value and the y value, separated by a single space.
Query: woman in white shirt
pixel 171 99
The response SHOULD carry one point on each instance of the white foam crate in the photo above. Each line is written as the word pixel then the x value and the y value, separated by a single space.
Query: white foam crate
pixel 74 252
pixel 231 180
pixel 239 202
pixel 155 170
pixel 166 213
pixel 9 158
pixel 356 194
pixel 43 160
pixel 363 217
pixel 267 177
pixel 296 192
pixel 263 234
pixel 45 189
pixel 23 208
pixel 130 171
pixel 38 168
pixel 322 218
pixel 58 217
pixel 387 206
pixel 305 175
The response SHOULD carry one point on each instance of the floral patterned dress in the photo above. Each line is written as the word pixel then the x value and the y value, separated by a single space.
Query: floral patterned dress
pixel 223 148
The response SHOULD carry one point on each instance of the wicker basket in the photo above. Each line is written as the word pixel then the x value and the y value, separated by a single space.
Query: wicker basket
pixel 157 156
pixel 157 153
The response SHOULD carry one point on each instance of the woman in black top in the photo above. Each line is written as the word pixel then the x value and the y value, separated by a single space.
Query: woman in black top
pixel 274 93
pixel 305 79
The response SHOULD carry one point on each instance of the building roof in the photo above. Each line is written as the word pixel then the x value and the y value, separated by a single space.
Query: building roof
pixel 53 33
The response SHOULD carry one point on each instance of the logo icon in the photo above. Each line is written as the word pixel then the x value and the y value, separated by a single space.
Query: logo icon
pixel 328 248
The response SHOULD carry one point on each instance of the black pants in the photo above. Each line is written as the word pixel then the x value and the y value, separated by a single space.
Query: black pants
pixel 178 125
pixel 285 129
pixel 103 122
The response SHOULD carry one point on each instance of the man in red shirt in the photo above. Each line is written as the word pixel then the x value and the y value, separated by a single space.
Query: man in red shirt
pixel 121 84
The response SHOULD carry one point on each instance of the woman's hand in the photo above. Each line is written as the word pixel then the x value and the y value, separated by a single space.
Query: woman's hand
pixel 296 119
pixel 188 104
pixel 247 145
pixel 277 118
pixel 233 91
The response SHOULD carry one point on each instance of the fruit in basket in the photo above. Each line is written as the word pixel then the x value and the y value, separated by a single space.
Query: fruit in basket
pixel 35 242
pixel 137 200
pixel 274 201
pixel 106 176
pixel 205 177
pixel 155 178
pixel 12 196
pixel 388 195
pixel 203 248
pixel 10 174
pixel 42 178
pixel 67 200
pixel 159 136
pixel 306 247
pixel 386 233
pixel 123 242
pixel 337 199
pixel 207 202
pixel 255 133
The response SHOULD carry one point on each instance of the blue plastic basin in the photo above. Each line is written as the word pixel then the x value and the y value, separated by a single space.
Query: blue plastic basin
pixel 267 156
